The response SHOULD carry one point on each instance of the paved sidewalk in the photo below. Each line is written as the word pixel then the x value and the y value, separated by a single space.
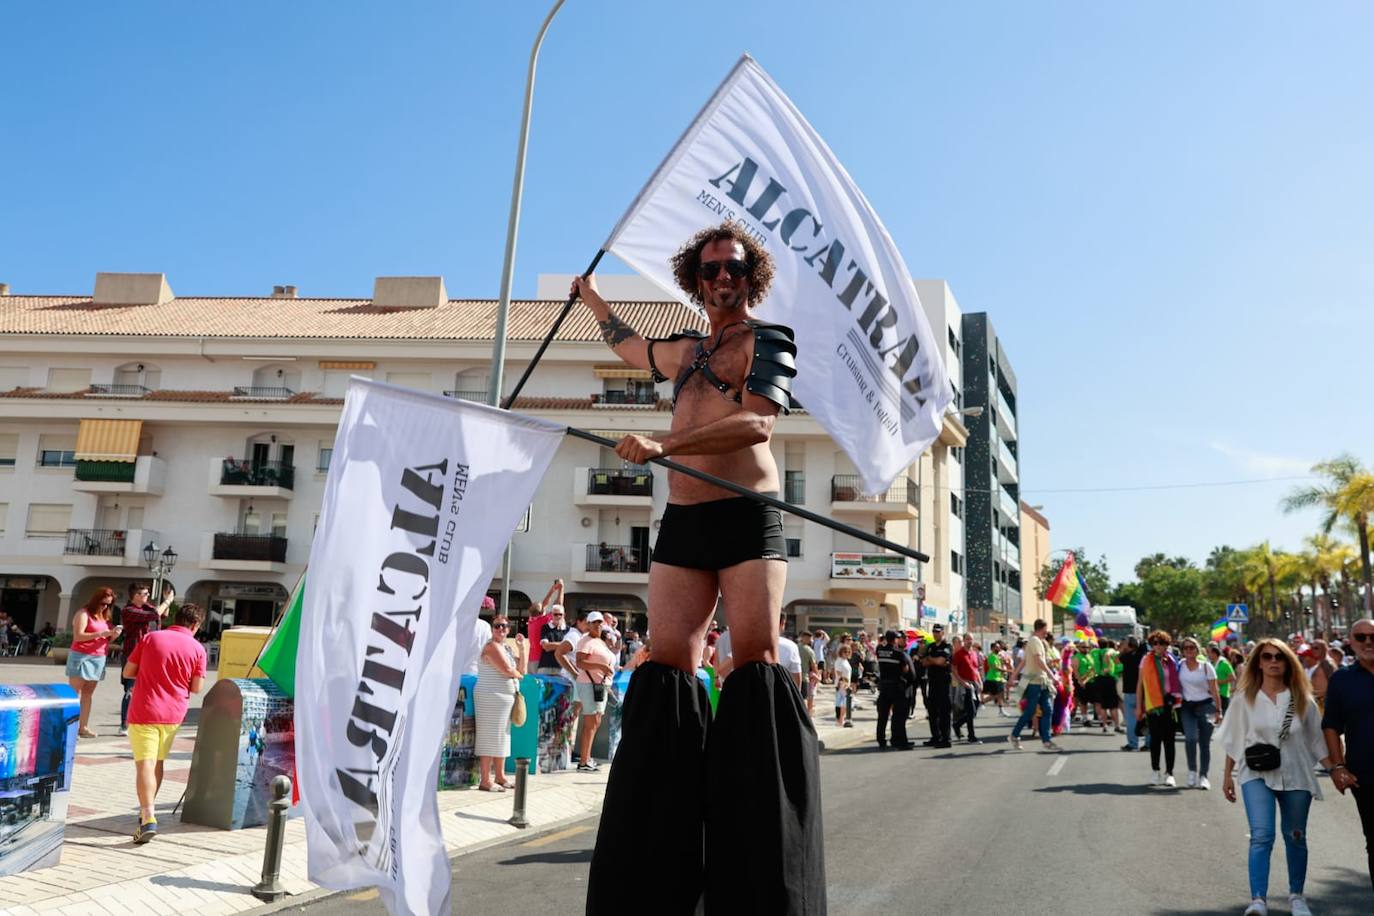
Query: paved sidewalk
pixel 203 870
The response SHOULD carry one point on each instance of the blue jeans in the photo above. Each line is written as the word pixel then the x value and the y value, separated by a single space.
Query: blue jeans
pixel 1128 715
pixel 1197 733
pixel 1036 696
pixel 1259 811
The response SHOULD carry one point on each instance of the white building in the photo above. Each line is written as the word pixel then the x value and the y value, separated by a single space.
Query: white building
pixel 132 416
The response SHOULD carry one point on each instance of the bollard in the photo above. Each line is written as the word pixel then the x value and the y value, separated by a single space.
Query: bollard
pixel 517 819
pixel 270 887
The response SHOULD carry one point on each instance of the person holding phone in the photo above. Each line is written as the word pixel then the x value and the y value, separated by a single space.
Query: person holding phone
pixel 595 668
pixel 91 636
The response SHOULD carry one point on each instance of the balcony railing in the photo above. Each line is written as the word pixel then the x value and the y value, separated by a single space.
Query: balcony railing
pixel 848 488
pixel 267 394
pixel 122 391
pixel 263 547
pixel 1009 506
pixel 464 394
pixel 248 473
pixel 626 397
pixel 619 482
pixel 622 558
pixel 105 471
pixel 95 542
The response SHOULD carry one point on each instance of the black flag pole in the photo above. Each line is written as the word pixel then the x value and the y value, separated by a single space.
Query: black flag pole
pixel 764 498
pixel 548 338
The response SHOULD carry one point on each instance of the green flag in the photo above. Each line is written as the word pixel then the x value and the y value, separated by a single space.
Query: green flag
pixel 278 659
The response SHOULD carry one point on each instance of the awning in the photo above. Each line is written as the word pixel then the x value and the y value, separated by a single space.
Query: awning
pixel 108 440
pixel 621 372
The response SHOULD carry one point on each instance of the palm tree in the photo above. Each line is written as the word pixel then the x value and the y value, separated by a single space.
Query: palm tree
pixel 1328 556
pixel 1260 566
pixel 1347 493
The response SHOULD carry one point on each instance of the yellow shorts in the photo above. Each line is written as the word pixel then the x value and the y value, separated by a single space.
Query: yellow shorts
pixel 152 742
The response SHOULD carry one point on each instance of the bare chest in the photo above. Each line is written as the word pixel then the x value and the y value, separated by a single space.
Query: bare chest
pixel 701 379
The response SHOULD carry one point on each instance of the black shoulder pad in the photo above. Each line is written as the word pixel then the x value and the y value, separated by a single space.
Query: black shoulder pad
pixel 775 363
pixel 680 335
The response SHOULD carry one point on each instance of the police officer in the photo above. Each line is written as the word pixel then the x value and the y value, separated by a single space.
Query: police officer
pixel 894 673
pixel 939 676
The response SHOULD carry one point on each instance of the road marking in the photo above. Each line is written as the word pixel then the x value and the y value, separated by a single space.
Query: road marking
pixel 555 837
pixel 369 894
pixel 1058 765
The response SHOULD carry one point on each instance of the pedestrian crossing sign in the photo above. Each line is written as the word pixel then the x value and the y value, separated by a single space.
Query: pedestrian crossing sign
pixel 1238 613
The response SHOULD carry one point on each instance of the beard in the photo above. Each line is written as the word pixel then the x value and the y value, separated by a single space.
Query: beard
pixel 726 300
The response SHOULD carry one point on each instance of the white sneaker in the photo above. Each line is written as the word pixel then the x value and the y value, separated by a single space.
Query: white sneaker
pixel 1016 744
pixel 1170 782
pixel 1192 779
pixel 1257 907
pixel 1297 905
pixel 1158 778
pixel 1203 784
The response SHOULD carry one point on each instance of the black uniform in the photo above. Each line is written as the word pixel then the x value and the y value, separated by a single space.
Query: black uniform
pixel 894 674
pixel 938 681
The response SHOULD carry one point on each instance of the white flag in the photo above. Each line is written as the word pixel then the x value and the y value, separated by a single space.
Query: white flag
pixel 422 495
pixel 868 367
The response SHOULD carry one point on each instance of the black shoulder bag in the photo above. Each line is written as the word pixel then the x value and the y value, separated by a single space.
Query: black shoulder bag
pixel 1265 757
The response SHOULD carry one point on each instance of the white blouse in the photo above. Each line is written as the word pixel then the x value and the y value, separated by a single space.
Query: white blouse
pixel 1196 683
pixel 1260 723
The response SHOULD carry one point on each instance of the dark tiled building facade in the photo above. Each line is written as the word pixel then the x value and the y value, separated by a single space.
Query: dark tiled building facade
pixel 992 521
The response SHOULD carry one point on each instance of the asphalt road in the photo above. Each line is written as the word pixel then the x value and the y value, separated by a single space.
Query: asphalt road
pixel 981 830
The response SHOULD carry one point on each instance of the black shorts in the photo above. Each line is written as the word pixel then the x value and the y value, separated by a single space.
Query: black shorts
pixel 719 534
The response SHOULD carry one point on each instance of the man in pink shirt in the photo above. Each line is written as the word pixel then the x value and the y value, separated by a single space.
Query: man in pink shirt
pixel 167 667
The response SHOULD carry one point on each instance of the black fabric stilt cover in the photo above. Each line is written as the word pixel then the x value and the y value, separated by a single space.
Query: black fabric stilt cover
pixel 648 855
pixel 765 851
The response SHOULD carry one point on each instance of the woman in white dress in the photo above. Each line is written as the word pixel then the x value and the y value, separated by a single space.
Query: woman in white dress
pixel 1273 706
pixel 499 671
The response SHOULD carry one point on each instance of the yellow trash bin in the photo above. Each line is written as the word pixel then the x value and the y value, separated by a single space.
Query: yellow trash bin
pixel 239 648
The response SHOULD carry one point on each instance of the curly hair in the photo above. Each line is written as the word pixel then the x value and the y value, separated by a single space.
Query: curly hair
pixel 688 259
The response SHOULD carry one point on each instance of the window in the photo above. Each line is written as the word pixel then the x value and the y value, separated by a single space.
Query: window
pixel 956 563
pixel 62 380
pixel 12 377
pixel 958 399
pixel 279 524
pixel 794 488
pixel 9 447
pixel 957 453
pixel 954 341
pixel 4 517
pixel 792 533
pixel 956 506
pixel 56 451
pixel 48 520
pixel 322 464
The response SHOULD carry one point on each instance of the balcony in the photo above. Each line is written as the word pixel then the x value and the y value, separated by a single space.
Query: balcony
pixel 262 393
pixel 146 474
pixel 117 391
pixel 899 500
pixel 613 487
pixel 1006 419
pixel 882 572
pixel 467 395
pixel 243 552
pixel 1006 462
pixel 619 563
pixel 1008 552
pixel 266 479
pixel 1010 508
pixel 642 398
pixel 106 546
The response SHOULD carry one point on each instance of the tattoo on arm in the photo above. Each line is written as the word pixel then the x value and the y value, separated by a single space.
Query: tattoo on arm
pixel 615 331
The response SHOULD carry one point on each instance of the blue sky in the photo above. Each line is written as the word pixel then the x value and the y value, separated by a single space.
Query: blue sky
pixel 1165 207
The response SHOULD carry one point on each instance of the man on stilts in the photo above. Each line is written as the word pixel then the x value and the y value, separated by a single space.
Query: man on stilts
pixel 728 808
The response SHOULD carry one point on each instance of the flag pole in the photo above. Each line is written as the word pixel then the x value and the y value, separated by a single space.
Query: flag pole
pixel 548 338
pixel 764 498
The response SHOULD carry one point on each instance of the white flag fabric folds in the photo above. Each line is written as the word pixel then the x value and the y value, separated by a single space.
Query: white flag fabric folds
pixel 422 495
pixel 869 368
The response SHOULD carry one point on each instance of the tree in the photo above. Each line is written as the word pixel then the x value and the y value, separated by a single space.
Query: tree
pixel 1224 575
pixel 1173 598
pixel 1347 493
pixel 1142 569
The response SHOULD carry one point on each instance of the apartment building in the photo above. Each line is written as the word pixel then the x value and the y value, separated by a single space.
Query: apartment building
pixel 132 417
pixel 992 524
pixel 1035 553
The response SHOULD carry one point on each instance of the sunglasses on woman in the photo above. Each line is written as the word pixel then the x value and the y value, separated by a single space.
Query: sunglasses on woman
pixel 709 270
pixel 498 626
pixel 1272 657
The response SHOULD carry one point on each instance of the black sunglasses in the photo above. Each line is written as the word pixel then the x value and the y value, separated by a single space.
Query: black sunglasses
pixel 498 626
pixel 709 270
pixel 1272 657
pixel 1361 637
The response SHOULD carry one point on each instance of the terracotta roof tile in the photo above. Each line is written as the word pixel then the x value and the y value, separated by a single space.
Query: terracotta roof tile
pixel 304 397
pixel 459 319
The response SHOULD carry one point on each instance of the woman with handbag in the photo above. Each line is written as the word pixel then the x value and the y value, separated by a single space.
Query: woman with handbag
pixel 498 683
pixel 1201 710
pixel 1157 695
pixel 595 668
pixel 1273 739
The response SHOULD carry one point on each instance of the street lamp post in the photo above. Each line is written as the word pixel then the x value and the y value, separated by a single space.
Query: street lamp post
pixel 498 350
pixel 159 564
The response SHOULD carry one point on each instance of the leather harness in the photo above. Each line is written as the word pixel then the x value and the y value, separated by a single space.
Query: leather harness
pixel 770 374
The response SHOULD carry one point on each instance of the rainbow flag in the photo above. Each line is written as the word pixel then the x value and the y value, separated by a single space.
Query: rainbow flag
pixel 1069 592
pixel 1079 633
pixel 1220 630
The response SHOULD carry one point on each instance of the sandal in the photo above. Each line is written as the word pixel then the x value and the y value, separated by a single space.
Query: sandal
pixel 505 785
pixel 87 733
pixel 498 787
